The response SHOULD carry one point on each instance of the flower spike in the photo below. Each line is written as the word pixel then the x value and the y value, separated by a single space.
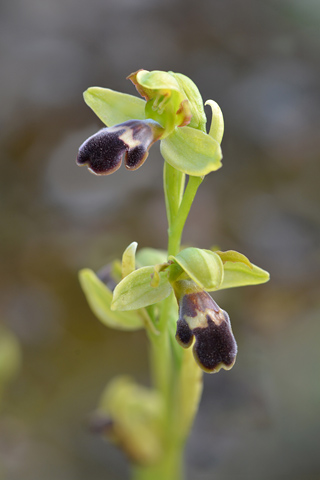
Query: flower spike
pixel 103 151
pixel 200 317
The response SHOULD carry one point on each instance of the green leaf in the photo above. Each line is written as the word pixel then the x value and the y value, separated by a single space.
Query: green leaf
pixel 192 93
pixel 191 151
pixel 150 256
pixel 204 267
pixel 217 122
pixel 238 275
pixel 99 298
pixel 128 259
pixel 114 107
pixel 135 290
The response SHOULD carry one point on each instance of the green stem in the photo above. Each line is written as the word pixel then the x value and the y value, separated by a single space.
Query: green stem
pixel 173 183
pixel 161 355
pixel 176 228
pixel 168 369
pixel 170 468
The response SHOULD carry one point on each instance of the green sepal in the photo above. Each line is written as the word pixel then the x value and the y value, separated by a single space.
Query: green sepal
pixel 114 107
pixel 217 122
pixel 150 256
pixel 192 93
pixel 239 274
pixel 191 151
pixel 128 264
pixel 204 267
pixel 135 290
pixel 99 298
pixel 233 256
pixel 134 414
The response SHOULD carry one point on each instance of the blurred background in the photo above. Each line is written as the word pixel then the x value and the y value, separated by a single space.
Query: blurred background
pixel 260 61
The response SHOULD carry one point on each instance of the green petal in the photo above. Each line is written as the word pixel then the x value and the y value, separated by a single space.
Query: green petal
pixel 99 298
pixel 150 256
pixel 128 259
pixel 217 122
pixel 233 256
pixel 192 93
pixel 191 151
pixel 135 290
pixel 239 274
pixel 204 267
pixel 114 107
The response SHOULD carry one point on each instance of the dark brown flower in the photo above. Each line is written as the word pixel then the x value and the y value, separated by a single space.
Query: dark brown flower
pixel 103 152
pixel 201 317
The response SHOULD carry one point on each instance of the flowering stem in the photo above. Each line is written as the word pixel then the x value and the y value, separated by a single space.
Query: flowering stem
pixel 177 380
pixel 169 469
pixel 177 225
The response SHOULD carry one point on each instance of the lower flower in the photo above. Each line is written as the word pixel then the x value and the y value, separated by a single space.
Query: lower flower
pixel 201 318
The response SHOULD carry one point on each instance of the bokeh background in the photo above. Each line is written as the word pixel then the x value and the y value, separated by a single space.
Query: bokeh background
pixel 260 61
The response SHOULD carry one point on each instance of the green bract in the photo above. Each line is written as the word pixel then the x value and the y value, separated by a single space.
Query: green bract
pixel 173 101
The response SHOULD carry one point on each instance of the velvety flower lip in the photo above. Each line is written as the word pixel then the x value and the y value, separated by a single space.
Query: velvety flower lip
pixel 201 317
pixel 103 152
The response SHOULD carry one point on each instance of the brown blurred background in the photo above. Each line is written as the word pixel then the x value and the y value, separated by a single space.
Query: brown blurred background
pixel 260 61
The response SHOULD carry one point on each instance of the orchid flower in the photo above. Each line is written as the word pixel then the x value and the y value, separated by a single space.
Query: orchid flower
pixel 172 111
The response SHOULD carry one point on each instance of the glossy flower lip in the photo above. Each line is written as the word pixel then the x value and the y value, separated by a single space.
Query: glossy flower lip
pixel 103 151
pixel 201 317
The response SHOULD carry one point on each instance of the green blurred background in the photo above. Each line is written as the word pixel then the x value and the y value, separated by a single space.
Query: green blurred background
pixel 260 61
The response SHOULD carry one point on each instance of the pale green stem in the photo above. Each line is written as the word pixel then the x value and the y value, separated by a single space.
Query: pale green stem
pixel 170 468
pixel 166 366
pixel 176 228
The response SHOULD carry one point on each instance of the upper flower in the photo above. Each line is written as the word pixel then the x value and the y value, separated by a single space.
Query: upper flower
pixel 172 111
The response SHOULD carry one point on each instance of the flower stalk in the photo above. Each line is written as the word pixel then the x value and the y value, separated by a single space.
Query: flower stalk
pixel 166 293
